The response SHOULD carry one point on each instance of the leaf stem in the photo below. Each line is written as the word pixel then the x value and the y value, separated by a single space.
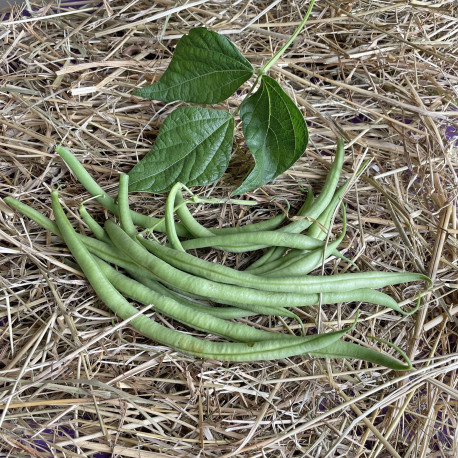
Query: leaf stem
pixel 285 47
pixel 248 93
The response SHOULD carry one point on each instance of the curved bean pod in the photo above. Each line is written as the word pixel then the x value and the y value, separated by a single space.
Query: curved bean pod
pixel 308 202
pixel 194 227
pixel 169 217
pixel 31 213
pixel 303 284
pixel 241 332
pixel 324 220
pixel 197 230
pixel 220 273
pixel 108 253
pixel 266 225
pixel 269 266
pixel 197 319
pixel 323 200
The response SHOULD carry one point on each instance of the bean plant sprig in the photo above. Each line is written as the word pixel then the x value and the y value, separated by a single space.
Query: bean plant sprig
pixel 180 285
pixel 194 144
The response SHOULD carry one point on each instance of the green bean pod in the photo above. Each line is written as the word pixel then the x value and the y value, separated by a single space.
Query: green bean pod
pixel 109 253
pixel 226 313
pixel 342 349
pixel 305 284
pixel 169 217
pixel 102 197
pixel 264 238
pixel 325 197
pixel 278 263
pixel 225 275
pixel 197 230
pixel 266 225
pixel 324 220
pixel 220 273
pixel 125 215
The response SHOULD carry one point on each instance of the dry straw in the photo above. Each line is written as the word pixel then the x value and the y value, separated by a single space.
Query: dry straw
pixel 77 382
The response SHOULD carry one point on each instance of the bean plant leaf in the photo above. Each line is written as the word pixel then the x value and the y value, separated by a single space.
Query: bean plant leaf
pixel 275 132
pixel 205 68
pixel 193 146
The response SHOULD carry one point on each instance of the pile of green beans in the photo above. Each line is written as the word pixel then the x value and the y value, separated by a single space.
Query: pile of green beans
pixel 121 263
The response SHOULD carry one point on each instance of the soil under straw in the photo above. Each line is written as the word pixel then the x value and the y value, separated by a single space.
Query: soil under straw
pixel 382 75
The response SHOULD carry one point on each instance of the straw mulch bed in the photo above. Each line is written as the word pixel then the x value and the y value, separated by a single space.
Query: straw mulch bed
pixel 74 383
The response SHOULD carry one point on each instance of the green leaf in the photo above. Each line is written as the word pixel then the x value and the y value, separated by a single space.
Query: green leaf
pixel 205 68
pixel 275 132
pixel 193 146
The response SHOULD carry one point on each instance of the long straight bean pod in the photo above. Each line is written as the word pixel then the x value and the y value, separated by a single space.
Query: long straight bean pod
pixel 223 274
pixel 239 244
pixel 226 313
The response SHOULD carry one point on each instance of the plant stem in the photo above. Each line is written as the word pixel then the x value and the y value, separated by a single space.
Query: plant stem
pixel 285 47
